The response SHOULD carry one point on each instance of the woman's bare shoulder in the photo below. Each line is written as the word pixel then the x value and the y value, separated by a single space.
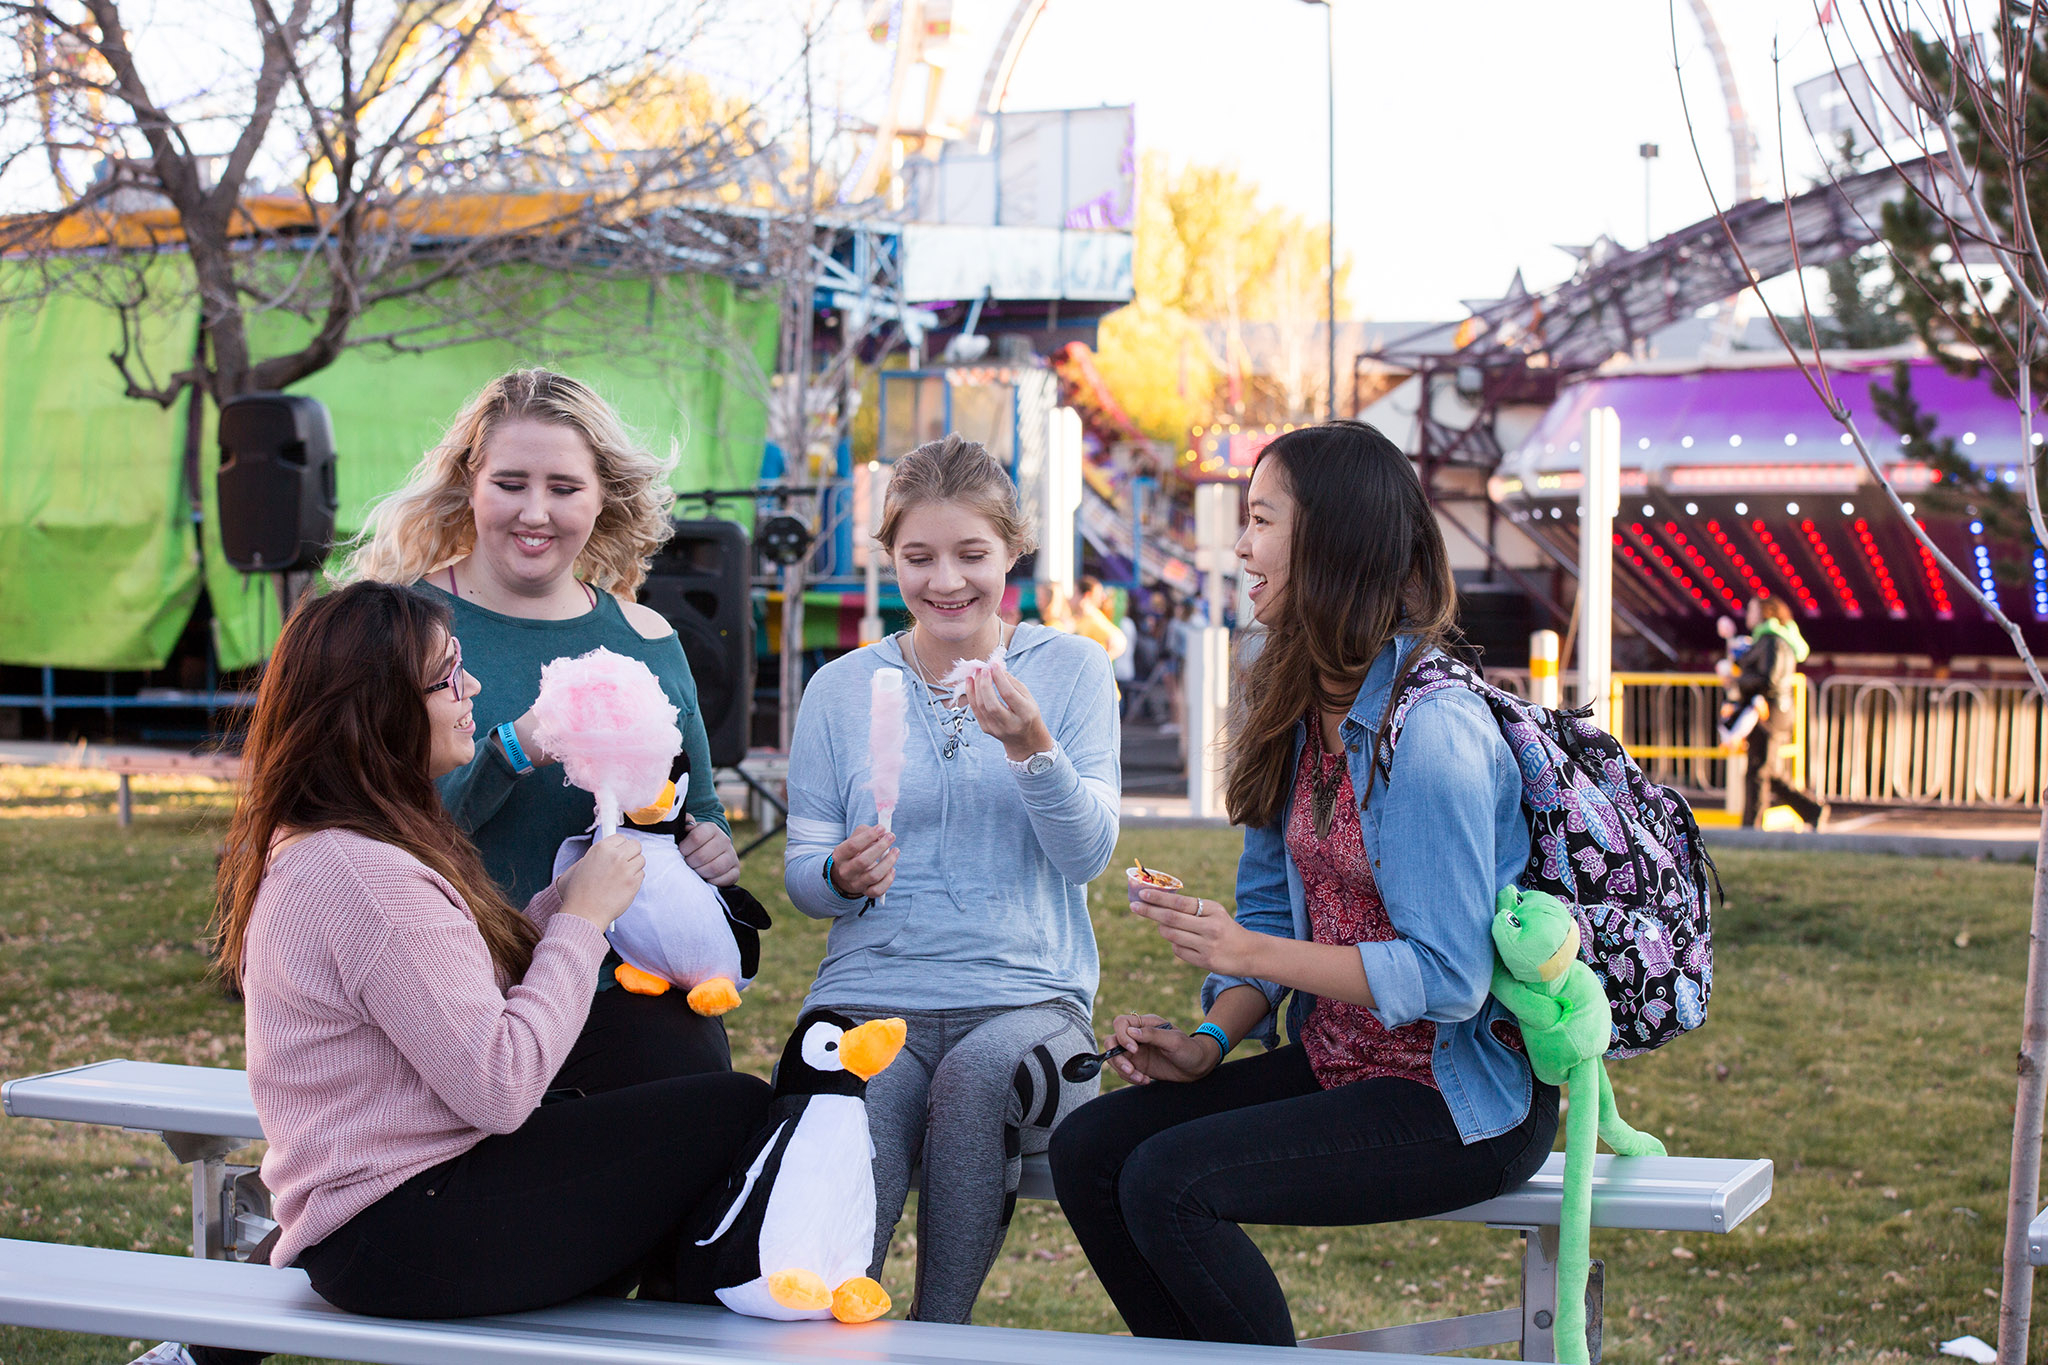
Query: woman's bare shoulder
pixel 646 622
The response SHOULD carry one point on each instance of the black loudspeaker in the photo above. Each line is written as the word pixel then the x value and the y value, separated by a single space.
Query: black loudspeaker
pixel 700 583
pixel 276 482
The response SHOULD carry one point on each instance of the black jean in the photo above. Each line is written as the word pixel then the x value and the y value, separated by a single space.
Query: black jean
pixel 1156 1179
pixel 586 1193
pixel 628 1040
pixel 1765 774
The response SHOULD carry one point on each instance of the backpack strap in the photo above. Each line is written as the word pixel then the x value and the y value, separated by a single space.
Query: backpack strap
pixel 1431 675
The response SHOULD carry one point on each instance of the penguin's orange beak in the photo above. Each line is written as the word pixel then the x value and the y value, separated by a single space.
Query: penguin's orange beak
pixel 655 811
pixel 869 1048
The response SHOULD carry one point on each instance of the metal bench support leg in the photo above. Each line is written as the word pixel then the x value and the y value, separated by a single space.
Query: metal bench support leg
pixel 207 1157
pixel 1539 1292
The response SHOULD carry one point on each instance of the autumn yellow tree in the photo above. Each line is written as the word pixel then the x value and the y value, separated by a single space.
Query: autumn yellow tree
pixel 1227 309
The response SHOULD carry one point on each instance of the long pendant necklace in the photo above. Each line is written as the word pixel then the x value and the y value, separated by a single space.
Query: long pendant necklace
pixel 1323 785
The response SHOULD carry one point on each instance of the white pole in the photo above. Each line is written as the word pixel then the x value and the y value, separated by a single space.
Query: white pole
pixel 1602 492
pixel 870 488
pixel 1217 512
pixel 1543 680
pixel 1061 502
pixel 1207 689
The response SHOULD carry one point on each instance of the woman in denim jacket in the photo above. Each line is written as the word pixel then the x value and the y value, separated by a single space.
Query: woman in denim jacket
pixel 1366 894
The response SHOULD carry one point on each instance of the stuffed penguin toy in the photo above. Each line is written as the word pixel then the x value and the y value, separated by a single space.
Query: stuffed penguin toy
pixel 680 930
pixel 793 1227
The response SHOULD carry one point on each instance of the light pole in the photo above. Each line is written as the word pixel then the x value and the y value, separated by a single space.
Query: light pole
pixel 1648 152
pixel 1330 271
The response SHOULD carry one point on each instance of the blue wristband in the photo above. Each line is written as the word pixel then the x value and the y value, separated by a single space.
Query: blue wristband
pixel 1207 1029
pixel 508 738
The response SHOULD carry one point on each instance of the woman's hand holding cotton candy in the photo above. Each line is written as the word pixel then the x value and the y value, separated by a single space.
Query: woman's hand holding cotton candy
pixel 709 852
pixel 529 742
pixel 864 864
pixel 1005 710
pixel 604 881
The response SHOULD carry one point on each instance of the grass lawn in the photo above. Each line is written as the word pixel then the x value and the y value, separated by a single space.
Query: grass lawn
pixel 1862 1037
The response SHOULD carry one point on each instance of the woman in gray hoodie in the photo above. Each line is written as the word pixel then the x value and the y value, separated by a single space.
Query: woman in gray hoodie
pixel 970 920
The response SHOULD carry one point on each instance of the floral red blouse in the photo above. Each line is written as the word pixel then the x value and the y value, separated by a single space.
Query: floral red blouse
pixel 1345 1042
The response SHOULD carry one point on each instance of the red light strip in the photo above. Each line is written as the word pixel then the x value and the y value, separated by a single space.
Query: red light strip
pixel 1895 607
pixel 1833 570
pixel 1628 552
pixel 1699 562
pixel 1936 589
pixel 1727 547
pixel 1663 556
pixel 1785 569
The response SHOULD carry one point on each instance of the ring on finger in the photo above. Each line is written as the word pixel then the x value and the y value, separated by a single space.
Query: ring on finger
pixel 1198 907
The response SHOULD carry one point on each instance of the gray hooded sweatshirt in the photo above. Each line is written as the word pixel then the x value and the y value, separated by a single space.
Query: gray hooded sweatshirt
pixel 990 902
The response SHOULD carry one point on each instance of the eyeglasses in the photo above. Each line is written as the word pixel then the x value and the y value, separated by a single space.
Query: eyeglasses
pixel 453 682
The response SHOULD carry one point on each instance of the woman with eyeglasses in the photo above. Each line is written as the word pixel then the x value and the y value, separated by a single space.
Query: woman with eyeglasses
pixel 534 520
pixel 406 1024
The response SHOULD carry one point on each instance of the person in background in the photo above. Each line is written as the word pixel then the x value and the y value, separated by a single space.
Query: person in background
pixel 1092 606
pixel 534 520
pixel 1776 649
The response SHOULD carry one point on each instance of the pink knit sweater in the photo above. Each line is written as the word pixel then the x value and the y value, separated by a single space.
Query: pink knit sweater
pixel 381 1040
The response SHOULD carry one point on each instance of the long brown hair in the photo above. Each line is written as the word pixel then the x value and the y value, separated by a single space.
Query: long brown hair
pixel 1366 560
pixel 340 740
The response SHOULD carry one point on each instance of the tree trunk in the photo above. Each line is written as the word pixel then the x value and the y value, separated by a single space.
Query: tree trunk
pixel 2023 1194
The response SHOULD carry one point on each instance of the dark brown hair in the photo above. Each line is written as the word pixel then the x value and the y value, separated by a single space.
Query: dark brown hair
pixel 340 740
pixel 1365 560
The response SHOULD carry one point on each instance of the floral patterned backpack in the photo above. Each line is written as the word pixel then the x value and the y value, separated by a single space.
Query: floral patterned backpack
pixel 1622 851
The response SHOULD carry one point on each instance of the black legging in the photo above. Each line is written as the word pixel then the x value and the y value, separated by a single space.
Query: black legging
pixel 1156 1178
pixel 653 1148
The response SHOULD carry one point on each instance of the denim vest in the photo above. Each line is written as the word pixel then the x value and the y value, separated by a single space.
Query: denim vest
pixel 1444 834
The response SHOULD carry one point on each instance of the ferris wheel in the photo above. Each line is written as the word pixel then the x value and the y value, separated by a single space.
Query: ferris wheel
pixel 950 66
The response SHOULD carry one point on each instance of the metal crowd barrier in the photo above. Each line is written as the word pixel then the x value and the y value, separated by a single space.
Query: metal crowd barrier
pixel 1930 742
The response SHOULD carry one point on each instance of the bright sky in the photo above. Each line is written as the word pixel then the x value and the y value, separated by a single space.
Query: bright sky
pixel 1471 136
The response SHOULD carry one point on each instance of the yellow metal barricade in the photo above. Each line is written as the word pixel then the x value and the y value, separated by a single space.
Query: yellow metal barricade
pixel 1672 717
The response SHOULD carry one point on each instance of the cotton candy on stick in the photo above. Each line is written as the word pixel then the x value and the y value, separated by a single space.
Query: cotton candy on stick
pixel 607 719
pixel 887 731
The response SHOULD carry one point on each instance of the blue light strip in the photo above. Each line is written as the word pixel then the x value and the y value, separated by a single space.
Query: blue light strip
pixel 1985 583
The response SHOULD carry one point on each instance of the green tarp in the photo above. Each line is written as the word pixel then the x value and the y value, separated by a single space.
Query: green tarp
pixel 98 568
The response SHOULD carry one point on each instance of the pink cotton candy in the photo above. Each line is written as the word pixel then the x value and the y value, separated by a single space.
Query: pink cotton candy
pixel 887 731
pixel 613 728
pixel 961 675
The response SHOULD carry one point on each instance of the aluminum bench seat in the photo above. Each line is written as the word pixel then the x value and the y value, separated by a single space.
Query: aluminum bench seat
pixel 130 1294
pixel 207 1112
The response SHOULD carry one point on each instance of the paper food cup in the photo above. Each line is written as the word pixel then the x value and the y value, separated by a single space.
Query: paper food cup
pixel 1136 881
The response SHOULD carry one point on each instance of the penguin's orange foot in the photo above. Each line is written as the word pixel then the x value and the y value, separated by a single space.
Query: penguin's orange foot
pixel 800 1291
pixel 859 1300
pixel 637 981
pixel 714 997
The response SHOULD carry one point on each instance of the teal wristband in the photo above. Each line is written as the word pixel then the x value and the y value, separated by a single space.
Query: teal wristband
pixel 1206 1029
pixel 508 738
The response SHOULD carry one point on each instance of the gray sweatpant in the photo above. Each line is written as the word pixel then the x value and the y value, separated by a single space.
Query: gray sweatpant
pixel 971 1093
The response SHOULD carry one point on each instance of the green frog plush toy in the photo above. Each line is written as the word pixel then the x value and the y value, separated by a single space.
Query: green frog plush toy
pixel 1566 1027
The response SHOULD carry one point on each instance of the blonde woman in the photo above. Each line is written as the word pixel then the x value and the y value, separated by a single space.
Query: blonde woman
pixel 534 518
pixel 970 921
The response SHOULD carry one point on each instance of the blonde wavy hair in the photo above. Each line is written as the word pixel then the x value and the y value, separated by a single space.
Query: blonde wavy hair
pixel 427 524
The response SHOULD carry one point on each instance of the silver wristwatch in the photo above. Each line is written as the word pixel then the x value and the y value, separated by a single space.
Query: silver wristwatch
pixel 1034 765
